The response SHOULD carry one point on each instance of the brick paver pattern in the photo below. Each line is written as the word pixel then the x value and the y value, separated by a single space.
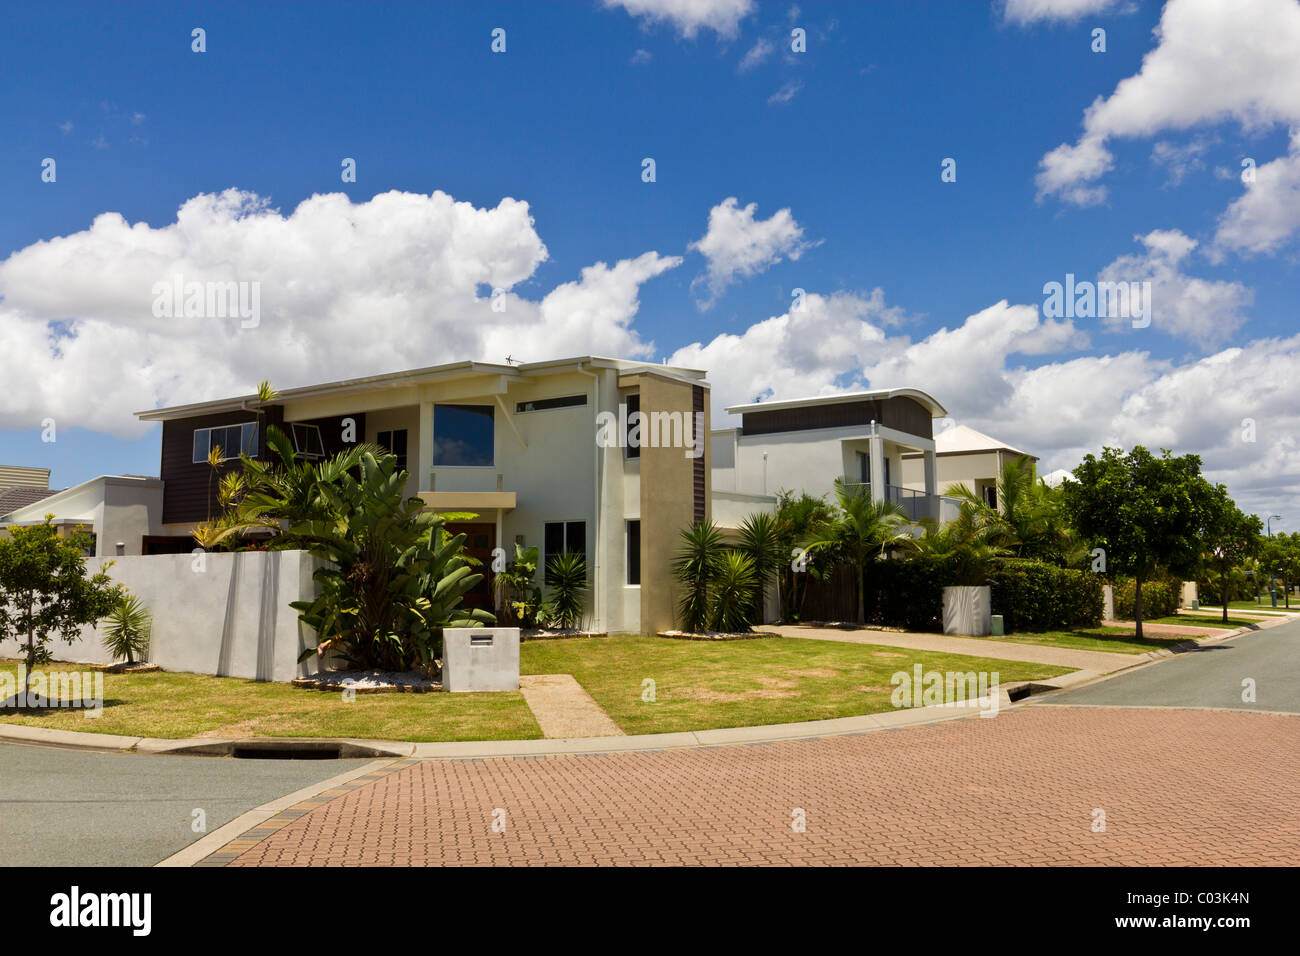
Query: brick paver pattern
pixel 1186 787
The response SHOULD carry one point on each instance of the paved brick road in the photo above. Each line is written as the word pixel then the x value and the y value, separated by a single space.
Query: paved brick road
pixel 1178 787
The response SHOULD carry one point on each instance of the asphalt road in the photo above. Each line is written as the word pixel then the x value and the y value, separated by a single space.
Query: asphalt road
pixel 1212 676
pixel 74 808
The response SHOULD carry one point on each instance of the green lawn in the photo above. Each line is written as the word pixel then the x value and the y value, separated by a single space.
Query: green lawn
pixel 775 680
pixel 1198 620
pixel 191 705
pixel 1252 606
pixel 1119 640
pixel 698 685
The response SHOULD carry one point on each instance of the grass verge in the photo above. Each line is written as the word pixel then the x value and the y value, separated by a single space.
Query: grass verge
pixel 697 686
pixel 1116 640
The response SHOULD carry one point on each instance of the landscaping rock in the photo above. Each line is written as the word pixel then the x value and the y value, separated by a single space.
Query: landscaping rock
pixel 370 682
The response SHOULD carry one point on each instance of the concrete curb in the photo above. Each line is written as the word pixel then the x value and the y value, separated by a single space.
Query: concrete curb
pixel 481 749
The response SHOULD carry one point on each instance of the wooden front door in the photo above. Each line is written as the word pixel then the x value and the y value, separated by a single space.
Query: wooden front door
pixel 480 539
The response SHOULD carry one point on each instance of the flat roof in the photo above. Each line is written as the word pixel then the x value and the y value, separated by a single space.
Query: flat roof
pixel 418 376
pixel 841 398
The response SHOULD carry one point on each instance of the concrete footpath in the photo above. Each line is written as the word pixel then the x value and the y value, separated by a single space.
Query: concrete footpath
pixel 1100 662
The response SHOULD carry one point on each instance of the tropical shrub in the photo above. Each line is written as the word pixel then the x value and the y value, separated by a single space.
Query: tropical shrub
pixel 127 629
pixel 695 567
pixel 566 574
pixel 760 539
pixel 735 590
pixel 516 590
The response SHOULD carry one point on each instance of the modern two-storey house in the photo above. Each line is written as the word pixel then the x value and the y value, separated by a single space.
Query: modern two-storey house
pixel 805 444
pixel 547 454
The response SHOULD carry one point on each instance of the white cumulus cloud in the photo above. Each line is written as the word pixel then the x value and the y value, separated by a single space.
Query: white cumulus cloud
pixel 688 17
pixel 737 244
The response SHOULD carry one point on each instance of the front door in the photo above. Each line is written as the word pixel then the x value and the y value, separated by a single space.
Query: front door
pixel 480 539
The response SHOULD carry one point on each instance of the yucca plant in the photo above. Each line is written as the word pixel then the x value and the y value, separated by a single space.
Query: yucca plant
pixel 566 574
pixel 734 588
pixel 127 629
pixel 760 539
pixel 694 567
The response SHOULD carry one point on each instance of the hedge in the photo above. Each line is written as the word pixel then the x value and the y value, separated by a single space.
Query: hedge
pixel 1160 597
pixel 1034 596
pixel 1030 595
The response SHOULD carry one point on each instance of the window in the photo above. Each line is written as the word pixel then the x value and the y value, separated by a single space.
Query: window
pixel 233 440
pixel 991 496
pixel 634 552
pixel 864 467
pixel 543 404
pixel 394 442
pixel 563 536
pixel 307 441
pixel 632 449
pixel 463 435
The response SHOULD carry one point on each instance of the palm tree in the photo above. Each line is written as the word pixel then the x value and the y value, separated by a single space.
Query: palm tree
pixel 798 520
pixel 1030 520
pixel 862 532
pixel 969 543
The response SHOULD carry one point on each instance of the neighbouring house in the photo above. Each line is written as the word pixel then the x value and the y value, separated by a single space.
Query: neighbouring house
pixel 21 486
pixel 119 512
pixel 965 457
pixel 544 453
pixel 805 444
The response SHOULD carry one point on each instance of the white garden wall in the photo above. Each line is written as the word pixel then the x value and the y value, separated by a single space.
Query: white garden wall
pixel 222 614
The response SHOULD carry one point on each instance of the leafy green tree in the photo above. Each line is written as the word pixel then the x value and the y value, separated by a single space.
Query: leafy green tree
pixel 1230 537
pixel 861 532
pixel 971 544
pixel 45 592
pixel 1145 512
pixel 1280 556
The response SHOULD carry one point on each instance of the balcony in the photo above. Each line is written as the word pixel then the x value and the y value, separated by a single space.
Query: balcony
pixel 915 504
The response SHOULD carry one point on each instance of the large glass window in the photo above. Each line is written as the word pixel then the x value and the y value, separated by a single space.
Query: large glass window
pixel 395 442
pixel 233 440
pixel 562 536
pixel 632 440
pixel 463 435
pixel 634 552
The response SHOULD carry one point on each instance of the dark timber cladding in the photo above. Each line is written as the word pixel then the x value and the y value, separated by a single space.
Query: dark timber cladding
pixel 701 445
pixel 190 488
pixel 900 413
pixel 187 484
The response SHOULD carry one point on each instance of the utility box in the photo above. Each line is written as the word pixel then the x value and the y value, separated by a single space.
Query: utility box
pixel 995 625
pixel 480 658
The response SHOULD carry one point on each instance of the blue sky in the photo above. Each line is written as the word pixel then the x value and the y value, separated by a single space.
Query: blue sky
pixel 847 137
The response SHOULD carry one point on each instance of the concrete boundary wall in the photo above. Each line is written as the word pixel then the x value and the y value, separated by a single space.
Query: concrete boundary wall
pixel 222 614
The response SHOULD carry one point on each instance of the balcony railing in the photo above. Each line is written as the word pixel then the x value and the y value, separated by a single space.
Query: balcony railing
pixel 916 504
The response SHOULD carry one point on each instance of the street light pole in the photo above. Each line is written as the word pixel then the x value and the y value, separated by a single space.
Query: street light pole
pixel 1268 525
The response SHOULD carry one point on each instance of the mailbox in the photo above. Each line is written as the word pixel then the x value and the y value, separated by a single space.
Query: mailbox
pixel 480 659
